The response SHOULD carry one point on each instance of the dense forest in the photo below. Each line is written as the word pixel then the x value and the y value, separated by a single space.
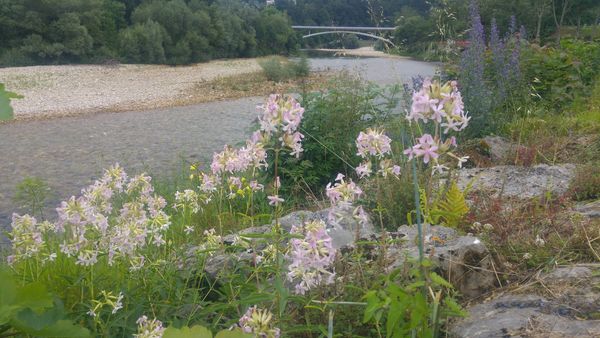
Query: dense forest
pixel 188 31
pixel 138 31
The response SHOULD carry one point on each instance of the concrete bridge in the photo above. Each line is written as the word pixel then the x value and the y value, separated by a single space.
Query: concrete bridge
pixel 324 30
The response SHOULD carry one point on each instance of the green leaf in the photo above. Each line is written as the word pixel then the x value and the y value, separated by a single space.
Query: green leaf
pixel 454 308
pixel 439 280
pixel 195 331
pixel 237 333
pixel 8 288
pixel 31 320
pixel 33 296
pixel 454 206
pixel 62 328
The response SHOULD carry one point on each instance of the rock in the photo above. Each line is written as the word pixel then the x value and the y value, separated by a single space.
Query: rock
pixel 499 147
pixel 591 209
pixel 519 182
pixel 569 310
pixel 463 260
pixel 343 233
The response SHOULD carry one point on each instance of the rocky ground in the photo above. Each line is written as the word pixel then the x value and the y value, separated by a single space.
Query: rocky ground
pixel 79 89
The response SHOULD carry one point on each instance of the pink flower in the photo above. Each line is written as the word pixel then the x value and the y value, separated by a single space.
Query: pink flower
pixel 342 191
pixel 427 148
pixel 364 169
pixel 373 143
pixel 275 200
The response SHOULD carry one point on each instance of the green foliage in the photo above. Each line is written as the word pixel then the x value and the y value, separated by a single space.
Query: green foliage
pixel 559 76
pixel 280 69
pixel 159 31
pixel 6 111
pixel 188 332
pixel 417 309
pixel 331 122
pixel 202 332
pixel 452 208
pixel 143 43
pixel 31 194
pixel 29 309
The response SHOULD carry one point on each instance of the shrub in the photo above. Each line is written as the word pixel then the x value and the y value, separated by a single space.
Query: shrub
pixel 280 69
pixel 302 67
pixel 6 111
pixel 32 194
pixel 331 122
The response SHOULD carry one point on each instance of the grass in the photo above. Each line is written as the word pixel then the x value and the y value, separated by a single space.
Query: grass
pixel 570 136
pixel 253 84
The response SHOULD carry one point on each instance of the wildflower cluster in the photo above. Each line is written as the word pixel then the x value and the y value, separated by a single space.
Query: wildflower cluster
pixel 443 105
pixel 279 122
pixel 311 256
pixel 280 119
pixel 188 199
pixel 27 238
pixel 232 160
pixel 374 144
pixel 89 226
pixel 115 302
pixel 258 322
pixel 212 241
pixel 149 328
pixel 343 191
pixel 342 196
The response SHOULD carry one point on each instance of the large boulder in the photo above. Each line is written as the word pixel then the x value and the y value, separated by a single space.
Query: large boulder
pixel 564 303
pixel 519 182
pixel 463 260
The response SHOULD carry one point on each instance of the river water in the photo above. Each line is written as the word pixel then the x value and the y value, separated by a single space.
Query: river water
pixel 69 153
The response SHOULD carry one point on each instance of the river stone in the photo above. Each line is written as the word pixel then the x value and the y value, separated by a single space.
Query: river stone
pixel 591 209
pixel 569 310
pixel 519 182
pixel 463 260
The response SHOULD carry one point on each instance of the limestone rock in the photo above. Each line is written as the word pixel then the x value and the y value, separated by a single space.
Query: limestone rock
pixel 499 147
pixel 591 209
pixel 570 309
pixel 519 182
pixel 464 260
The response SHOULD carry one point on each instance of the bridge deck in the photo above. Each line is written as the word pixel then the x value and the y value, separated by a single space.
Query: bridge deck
pixel 346 28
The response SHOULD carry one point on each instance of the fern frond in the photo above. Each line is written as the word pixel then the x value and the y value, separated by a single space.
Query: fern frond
pixel 454 206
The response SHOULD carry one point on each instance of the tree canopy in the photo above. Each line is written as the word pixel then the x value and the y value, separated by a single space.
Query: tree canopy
pixel 141 31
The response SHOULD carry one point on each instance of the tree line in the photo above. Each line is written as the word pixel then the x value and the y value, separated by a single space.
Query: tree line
pixel 139 31
pixel 421 23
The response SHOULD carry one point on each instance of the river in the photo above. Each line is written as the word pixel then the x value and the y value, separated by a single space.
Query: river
pixel 69 153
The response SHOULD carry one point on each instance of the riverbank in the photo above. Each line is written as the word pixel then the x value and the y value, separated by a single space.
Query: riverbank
pixel 70 90
pixel 359 52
